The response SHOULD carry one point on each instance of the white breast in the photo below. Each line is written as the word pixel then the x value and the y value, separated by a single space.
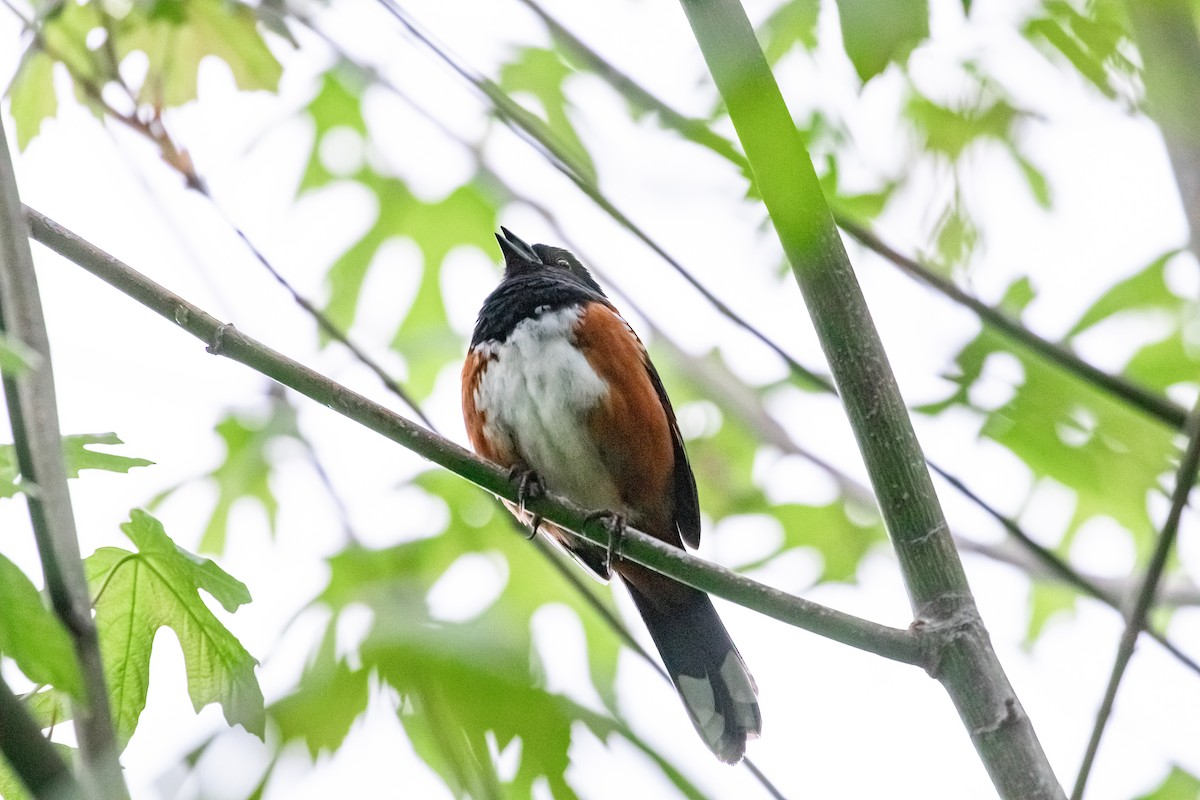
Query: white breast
pixel 536 394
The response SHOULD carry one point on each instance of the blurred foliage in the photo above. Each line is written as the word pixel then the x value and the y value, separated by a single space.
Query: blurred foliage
pixel 1094 40
pixel 1111 456
pixel 173 35
pixel 794 23
pixel 466 216
pixel 542 74
pixel 1178 785
pixel 459 679
pixel 875 35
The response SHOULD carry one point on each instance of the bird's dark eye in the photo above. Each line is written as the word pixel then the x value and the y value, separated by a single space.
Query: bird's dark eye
pixel 562 262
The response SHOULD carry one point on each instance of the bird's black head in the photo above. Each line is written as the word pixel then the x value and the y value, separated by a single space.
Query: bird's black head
pixel 520 258
pixel 537 279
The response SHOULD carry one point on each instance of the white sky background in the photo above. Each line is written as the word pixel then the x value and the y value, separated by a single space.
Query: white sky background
pixel 838 723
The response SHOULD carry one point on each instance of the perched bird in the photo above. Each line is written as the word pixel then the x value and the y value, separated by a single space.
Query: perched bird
pixel 558 386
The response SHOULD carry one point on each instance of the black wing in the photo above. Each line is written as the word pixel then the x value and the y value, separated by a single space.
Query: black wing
pixel 687 502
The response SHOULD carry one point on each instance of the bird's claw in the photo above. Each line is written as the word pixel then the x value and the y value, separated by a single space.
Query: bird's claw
pixel 529 487
pixel 614 524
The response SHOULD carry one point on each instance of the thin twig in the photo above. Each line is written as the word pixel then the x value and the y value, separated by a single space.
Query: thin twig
pixel 1185 480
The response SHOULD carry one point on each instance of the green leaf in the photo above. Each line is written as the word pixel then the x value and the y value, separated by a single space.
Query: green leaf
pixel 1169 362
pixel 1039 186
pixel 401 577
pixel 865 206
pixel 793 23
pixel 466 217
pixel 158 585
pixel 1145 290
pixel 245 474
pixel 329 697
pixel 460 684
pixel 878 34
pixel 1172 359
pixel 1092 40
pixel 49 707
pixel 79 457
pixel 176 35
pixel 31 94
pixel 542 73
pixel 1178 785
pixel 33 636
pixel 76 456
pixel 1047 600
pixel 1017 297
pixel 955 238
pixel 841 542
pixel 336 105
pixel 949 131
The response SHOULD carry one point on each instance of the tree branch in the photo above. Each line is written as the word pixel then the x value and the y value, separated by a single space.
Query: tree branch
pixel 222 339
pixel 965 662
pixel 33 759
pixel 33 412
pixel 1185 480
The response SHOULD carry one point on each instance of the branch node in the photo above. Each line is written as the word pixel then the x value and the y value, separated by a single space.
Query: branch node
pixel 218 340
pixel 940 624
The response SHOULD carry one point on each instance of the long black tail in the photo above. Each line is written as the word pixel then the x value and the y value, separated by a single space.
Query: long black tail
pixel 712 680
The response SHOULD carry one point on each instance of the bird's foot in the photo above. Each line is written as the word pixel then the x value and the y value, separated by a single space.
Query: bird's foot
pixel 614 524
pixel 529 487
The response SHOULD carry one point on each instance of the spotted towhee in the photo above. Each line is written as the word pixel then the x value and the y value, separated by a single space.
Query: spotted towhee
pixel 557 385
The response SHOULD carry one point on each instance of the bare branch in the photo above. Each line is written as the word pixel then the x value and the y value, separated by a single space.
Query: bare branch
pixel 33 411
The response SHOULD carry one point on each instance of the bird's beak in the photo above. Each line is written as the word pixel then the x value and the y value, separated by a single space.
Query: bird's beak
pixel 516 252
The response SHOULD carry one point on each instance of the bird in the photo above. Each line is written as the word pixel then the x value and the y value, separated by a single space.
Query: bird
pixel 558 389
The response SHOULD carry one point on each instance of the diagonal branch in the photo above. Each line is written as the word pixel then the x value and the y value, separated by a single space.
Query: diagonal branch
pixel 222 339
pixel 1185 480
pixel 33 412
pixel 30 754
pixel 1154 405
pixel 965 662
